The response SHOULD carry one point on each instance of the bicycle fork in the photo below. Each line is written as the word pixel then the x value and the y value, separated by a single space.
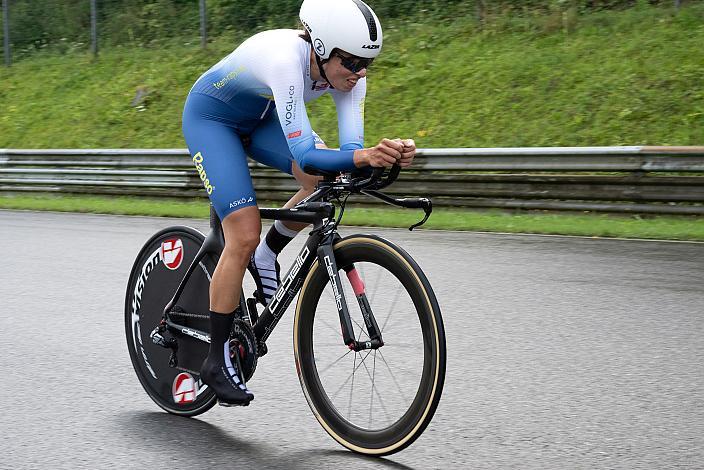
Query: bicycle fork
pixel 326 258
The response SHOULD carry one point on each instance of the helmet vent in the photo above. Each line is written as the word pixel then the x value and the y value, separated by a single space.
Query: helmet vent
pixel 368 17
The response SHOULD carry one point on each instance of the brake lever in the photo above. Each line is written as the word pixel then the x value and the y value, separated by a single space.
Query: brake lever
pixel 427 206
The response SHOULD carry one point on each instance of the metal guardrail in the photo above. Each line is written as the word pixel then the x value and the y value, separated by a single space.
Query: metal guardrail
pixel 667 180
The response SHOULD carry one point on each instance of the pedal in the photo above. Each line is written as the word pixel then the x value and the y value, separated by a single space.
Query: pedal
pixel 252 311
pixel 240 370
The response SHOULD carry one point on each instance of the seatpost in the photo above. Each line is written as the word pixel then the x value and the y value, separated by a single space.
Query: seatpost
pixel 216 224
pixel 214 243
pixel 214 219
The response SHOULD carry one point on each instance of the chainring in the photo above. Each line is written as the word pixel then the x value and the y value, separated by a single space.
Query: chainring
pixel 244 343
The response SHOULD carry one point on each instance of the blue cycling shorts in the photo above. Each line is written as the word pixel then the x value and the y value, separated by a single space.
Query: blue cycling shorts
pixel 213 133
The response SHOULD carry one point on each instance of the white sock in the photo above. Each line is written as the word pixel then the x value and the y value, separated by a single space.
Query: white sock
pixel 231 370
pixel 265 259
pixel 284 230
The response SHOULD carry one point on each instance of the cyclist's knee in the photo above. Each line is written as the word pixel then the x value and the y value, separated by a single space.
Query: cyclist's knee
pixel 246 243
pixel 240 249
pixel 242 230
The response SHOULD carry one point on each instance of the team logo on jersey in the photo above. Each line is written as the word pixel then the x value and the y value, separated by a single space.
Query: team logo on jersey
pixel 290 105
pixel 184 389
pixel 172 253
pixel 293 135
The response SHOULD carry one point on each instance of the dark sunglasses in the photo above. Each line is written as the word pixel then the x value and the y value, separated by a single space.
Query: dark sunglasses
pixel 354 64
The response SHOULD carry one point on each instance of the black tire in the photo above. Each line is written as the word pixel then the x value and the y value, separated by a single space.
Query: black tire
pixel 397 290
pixel 150 288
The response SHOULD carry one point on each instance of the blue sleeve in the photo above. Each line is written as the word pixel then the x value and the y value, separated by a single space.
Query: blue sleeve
pixel 325 159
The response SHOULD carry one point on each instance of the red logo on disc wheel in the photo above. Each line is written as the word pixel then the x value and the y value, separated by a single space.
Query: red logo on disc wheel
pixel 184 389
pixel 172 253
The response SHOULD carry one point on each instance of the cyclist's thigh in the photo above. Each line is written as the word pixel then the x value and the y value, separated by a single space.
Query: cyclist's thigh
pixel 269 145
pixel 218 155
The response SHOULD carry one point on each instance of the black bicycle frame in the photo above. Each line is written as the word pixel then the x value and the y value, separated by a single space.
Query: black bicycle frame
pixel 293 280
pixel 319 245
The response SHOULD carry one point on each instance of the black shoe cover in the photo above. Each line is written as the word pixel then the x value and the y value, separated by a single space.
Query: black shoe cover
pixel 227 390
pixel 225 382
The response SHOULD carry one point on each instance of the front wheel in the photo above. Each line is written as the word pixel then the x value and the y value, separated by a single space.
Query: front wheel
pixel 375 401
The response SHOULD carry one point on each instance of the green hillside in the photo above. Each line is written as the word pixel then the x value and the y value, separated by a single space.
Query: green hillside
pixel 603 78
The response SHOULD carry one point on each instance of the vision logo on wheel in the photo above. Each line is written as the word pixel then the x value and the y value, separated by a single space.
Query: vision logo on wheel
pixel 184 389
pixel 172 253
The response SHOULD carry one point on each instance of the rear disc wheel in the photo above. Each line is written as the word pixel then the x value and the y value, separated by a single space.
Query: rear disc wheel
pixel 155 276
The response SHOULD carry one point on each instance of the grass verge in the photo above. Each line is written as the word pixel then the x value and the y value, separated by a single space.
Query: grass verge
pixel 631 77
pixel 582 224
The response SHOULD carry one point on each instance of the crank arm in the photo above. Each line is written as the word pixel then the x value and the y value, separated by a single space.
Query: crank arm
pixel 193 333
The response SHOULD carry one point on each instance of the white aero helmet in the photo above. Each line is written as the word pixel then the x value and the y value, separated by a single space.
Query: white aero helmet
pixel 349 25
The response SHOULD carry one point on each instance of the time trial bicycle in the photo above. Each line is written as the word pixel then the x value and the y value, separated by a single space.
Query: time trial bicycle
pixel 373 381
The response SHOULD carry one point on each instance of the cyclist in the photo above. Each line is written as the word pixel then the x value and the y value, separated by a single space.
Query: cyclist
pixel 253 102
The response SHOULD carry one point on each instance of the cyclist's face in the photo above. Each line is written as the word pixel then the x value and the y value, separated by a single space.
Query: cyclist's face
pixel 344 70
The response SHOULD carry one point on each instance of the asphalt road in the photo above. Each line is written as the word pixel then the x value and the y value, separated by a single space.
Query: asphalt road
pixel 562 353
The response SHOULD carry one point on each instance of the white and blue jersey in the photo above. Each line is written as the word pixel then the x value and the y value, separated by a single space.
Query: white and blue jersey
pixel 260 91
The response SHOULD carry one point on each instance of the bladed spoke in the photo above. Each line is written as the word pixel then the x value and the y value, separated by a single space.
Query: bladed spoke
pixel 350 376
pixel 371 395
pixel 349 412
pixel 375 391
pixel 362 329
pixel 399 345
pixel 375 286
pixel 392 310
pixel 336 361
pixel 328 325
pixel 393 377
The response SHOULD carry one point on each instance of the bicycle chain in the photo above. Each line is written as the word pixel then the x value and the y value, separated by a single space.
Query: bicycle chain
pixel 189 315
